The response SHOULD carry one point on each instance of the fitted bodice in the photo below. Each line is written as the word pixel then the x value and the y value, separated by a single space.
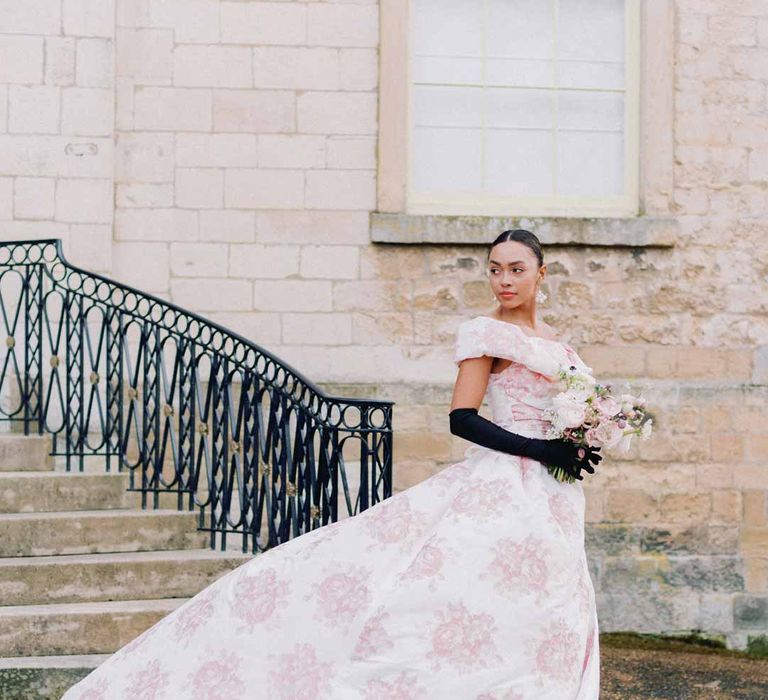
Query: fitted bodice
pixel 518 395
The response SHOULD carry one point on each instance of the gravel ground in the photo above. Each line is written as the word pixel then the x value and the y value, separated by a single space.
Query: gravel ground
pixel 635 670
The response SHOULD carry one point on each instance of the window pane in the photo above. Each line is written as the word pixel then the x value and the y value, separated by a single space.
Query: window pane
pixel 447 28
pixel 519 108
pixel 447 70
pixel 589 74
pixel 518 71
pixel 519 28
pixel 590 29
pixel 447 106
pixel 590 110
pixel 590 163
pixel 519 162
pixel 446 159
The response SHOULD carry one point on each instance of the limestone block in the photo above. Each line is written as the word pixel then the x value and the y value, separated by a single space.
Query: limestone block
pixel 263 23
pixel 292 295
pixel 193 21
pixel 211 294
pixel 296 68
pixel 214 66
pixel 341 189
pixel 144 157
pixel 353 152
pixel 146 55
pixel 84 200
pixel 90 247
pixel 144 195
pixel 343 24
pixel 317 328
pixel 199 259
pixel 216 150
pixel 631 506
pixel 6 198
pixel 87 111
pixel 227 225
pixel 143 265
pixel 33 198
pixel 257 261
pixel 21 59
pixel 30 17
pixel 60 60
pixel 250 188
pixel 200 188
pixel 370 295
pixel 172 109
pixel 89 17
pixel 337 112
pixel 334 227
pixel 750 611
pixel 254 111
pixel 156 225
pixel 33 109
pixel 291 151
pixel 95 63
pixel 330 262
pixel 359 69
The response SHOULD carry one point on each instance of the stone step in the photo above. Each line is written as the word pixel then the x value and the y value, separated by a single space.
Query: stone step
pixel 78 628
pixel 25 452
pixel 44 677
pixel 75 578
pixel 87 531
pixel 36 492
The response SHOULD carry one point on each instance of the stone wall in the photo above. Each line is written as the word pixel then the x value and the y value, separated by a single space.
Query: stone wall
pixel 223 155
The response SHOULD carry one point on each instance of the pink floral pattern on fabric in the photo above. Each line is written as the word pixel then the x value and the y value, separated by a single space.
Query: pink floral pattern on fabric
pixel 557 655
pixel 257 597
pixel 403 686
pixel 374 638
pixel 218 678
pixel 464 639
pixel 147 682
pixel 484 500
pixel 341 596
pixel 300 675
pixel 193 614
pixel 519 567
pixel 473 583
pixel 428 564
pixel 394 522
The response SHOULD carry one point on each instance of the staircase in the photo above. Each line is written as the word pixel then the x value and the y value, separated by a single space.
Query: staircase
pixel 83 570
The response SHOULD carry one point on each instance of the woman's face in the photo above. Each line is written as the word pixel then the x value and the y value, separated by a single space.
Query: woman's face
pixel 513 270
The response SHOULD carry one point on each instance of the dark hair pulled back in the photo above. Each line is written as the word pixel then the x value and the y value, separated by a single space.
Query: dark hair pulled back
pixel 522 236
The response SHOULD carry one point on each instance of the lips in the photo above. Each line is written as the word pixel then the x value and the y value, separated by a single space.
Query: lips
pixel 507 294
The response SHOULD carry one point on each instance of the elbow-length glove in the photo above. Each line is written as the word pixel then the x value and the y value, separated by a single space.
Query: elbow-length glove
pixel 467 423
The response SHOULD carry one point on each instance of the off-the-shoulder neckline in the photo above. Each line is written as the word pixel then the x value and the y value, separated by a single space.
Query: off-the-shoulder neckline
pixel 534 337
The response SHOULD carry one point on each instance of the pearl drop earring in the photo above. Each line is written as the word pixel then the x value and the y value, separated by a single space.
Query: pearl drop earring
pixel 541 297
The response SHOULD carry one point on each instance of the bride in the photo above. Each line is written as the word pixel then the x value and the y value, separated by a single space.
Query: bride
pixel 471 585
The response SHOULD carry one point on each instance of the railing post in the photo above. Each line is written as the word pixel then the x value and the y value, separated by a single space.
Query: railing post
pixel 33 348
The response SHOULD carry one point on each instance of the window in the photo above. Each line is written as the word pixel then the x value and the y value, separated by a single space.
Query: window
pixel 524 107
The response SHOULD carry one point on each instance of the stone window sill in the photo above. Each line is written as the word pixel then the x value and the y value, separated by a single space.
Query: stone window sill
pixel 632 231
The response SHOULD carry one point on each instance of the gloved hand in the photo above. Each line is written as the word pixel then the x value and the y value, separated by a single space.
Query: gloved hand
pixel 467 423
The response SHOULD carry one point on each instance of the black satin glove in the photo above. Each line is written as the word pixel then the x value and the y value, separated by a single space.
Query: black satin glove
pixel 573 458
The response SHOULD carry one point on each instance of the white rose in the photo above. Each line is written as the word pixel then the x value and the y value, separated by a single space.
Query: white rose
pixel 570 413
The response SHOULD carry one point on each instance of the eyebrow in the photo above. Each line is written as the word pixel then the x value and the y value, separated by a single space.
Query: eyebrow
pixel 514 262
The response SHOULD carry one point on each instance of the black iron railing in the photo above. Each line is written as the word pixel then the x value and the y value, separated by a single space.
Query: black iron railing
pixel 187 407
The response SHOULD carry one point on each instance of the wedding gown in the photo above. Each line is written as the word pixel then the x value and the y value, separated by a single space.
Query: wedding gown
pixel 471 585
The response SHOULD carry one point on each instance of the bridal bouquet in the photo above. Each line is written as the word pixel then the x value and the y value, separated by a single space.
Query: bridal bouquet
pixel 587 413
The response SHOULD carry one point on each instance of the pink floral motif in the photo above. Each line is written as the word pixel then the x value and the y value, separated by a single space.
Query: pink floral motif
pixel 501 695
pixel 256 597
pixel 583 592
pixel 464 639
pixel 563 513
pixel 428 564
pixel 483 500
pixel 218 679
pixel 98 691
pixel 557 655
pixel 147 683
pixel 404 686
pixel 444 480
pixel 518 381
pixel 518 566
pixel 374 638
pixel 300 675
pixel 394 522
pixel 341 596
pixel 590 644
pixel 193 613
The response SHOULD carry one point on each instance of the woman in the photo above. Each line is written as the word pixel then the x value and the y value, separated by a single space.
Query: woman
pixel 471 585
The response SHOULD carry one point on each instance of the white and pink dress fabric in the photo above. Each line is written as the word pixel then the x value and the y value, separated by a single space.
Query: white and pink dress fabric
pixel 471 585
